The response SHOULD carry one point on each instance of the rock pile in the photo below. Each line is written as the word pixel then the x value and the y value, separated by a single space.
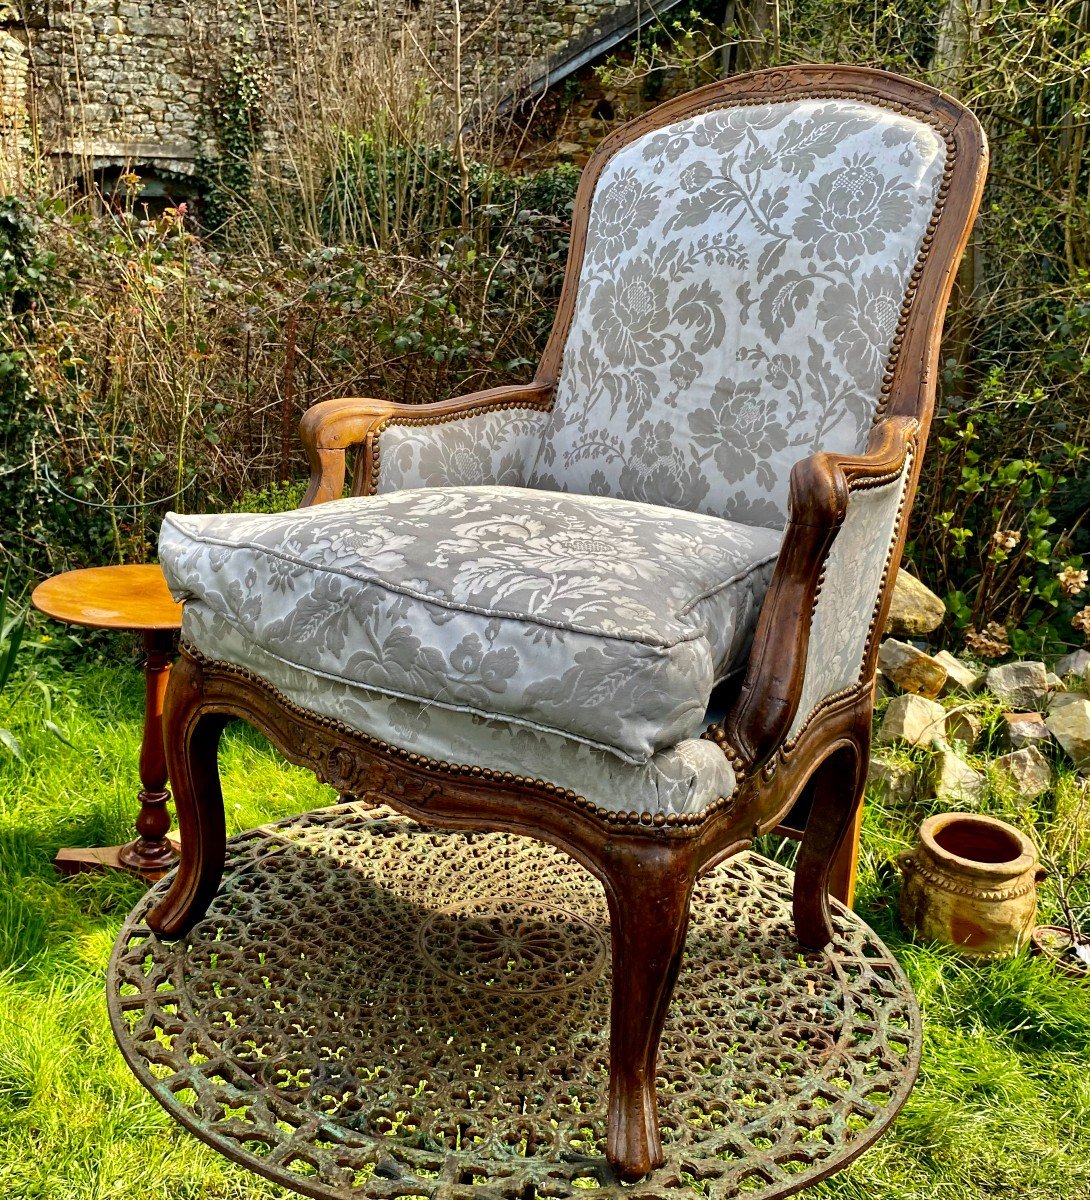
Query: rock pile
pixel 939 702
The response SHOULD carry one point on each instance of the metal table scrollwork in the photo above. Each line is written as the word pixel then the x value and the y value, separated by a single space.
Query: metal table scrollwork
pixel 375 1009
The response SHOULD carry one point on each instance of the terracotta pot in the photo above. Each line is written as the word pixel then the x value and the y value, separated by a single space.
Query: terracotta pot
pixel 971 883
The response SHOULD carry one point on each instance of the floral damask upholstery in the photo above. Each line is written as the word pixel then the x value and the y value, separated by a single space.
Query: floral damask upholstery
pixel 517 594
pixel 685 778
pixel 587 617
pixel 496 447
pixel 738 298
pixel 845 610
pixel 742 281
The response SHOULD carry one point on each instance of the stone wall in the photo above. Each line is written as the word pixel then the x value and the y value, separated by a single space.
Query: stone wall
pixel 116 80
pixel 14 66
pixel 126 82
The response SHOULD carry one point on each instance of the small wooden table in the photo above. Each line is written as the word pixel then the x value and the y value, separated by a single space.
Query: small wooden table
pixel 134 598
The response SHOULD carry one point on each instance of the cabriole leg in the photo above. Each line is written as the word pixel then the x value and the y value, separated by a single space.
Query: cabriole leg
pixel 837 802
pixel 191 737
pixel 649 888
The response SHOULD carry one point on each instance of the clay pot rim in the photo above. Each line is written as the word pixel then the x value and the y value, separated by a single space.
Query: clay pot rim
pixel 1025 860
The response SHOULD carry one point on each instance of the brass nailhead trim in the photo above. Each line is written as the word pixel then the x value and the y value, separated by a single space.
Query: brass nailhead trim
pixel 716 733
pixel 832 700
pixel 835 697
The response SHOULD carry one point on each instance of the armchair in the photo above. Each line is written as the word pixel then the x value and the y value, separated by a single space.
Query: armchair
pixel 518 617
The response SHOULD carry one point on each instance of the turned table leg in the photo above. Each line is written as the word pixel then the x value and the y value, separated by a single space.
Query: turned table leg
pixel 151 853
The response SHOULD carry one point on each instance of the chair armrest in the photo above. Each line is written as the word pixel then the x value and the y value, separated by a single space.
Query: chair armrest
pixel 331 427
pixel 814 638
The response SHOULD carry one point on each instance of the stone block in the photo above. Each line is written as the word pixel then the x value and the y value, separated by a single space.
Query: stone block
pixel 910 669
pixel 1022 685
pixel 915 609
pixel 1025 729
pixel 1075 663
pixel 963 726
pixel 1068 721
pixel 158 26
pixel 914 720
pixel 951 780
pixel 958 674
pixel 1027 772
pixel 892 782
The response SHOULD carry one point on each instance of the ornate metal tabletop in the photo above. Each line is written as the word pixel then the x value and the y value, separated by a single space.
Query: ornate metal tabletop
pixel 375 1009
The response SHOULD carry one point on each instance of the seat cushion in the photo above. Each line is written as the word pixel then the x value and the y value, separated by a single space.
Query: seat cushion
pixel 601 620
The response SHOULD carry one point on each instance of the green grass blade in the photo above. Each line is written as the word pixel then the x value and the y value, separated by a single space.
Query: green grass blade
pixel 9 740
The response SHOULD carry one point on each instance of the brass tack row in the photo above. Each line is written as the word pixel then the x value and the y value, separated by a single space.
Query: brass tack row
pixel 835 697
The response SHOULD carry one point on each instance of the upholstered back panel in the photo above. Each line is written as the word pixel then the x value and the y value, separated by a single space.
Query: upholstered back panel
pixel 742 281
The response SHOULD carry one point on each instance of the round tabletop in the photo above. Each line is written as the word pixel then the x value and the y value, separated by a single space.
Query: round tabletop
pixel 132 596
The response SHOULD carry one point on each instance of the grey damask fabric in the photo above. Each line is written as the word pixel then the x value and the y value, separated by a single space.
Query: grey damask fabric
pixel 846 602
pixel 486 448
pixel 743 277
pixel 588 617
pixel 685 778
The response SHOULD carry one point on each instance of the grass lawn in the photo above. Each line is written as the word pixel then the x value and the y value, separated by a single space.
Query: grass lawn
pixel 1002 1107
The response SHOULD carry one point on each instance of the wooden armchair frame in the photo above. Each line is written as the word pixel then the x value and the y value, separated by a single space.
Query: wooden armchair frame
pixel 648 866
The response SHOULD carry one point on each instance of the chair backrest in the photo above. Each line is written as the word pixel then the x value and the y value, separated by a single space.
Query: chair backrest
pixel 743 268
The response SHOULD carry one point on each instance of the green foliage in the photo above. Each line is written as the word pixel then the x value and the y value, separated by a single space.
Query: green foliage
pixel 387 193
pixel 276 498
pixel 1017 571
pixel 73 1121
pixel 25 270
pixel 235 123
pixel 174 370
pixel 20 678
pixel 12 625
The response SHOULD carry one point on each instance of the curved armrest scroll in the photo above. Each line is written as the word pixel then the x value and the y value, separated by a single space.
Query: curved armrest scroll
pixel 820 504
pixel 329 428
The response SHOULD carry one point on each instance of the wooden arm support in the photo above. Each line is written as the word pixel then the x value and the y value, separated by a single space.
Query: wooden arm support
pixel 328 429
pixel 820 489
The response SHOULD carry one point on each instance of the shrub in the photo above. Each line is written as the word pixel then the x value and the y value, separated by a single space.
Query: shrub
pixel 166 369
pixel 29 508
